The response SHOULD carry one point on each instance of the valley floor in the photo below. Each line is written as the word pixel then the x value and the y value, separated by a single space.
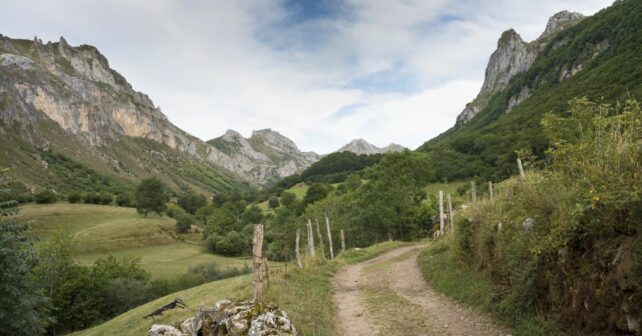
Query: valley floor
pixel 387 295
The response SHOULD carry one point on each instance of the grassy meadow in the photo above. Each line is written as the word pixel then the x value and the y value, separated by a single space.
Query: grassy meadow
pixel 101 230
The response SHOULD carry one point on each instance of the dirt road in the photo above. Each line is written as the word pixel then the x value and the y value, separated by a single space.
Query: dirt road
pixel 387 295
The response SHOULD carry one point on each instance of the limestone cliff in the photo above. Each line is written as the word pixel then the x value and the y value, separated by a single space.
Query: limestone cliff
pixel 265 156
pixel 68 99
pixel 513 56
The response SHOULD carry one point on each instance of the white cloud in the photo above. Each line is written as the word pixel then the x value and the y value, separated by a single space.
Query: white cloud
pixel 216 65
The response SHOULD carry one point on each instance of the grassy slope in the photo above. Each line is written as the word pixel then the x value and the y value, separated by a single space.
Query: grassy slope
pixel 102 230
pixel 474 289
pixel 305 295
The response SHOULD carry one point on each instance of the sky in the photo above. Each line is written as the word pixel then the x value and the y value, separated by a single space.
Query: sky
pixel 321 72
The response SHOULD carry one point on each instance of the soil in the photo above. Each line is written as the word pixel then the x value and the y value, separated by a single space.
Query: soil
pixel 395 277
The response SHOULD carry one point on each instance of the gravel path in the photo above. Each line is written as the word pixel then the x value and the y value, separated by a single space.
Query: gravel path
pixel 397 272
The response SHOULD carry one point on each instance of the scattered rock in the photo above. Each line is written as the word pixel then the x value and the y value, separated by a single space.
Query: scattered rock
pixel 234 319
pixel 163 330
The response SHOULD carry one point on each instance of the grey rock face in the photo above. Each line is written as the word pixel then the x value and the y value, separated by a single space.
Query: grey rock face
pixel 76 89
pixel 528 224
pixel 265 156
pixel 361 146
pixel 514 56
pixel 234 319
pixel 558 20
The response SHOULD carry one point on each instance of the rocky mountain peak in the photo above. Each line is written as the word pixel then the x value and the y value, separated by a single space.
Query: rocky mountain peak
pixel 558 20
pixel 513 56
pixel 361 146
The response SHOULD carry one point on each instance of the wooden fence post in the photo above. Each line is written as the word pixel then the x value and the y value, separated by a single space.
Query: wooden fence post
pixel 327 226
pixel 441 211
pixel 522 176
pixel 490 190
pixel 297 252
pixel 473 191
pixel 319 236
pixel 257 258
pixel 310 240
pixel 267 271
pixel 343 242
pixel 451 217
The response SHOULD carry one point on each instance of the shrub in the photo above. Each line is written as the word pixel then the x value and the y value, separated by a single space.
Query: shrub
pixel 74 198
pixel 106 198
pixel 91 197
pixel 124 200
pixel 46 197
pixel 184 223
pixel 273 202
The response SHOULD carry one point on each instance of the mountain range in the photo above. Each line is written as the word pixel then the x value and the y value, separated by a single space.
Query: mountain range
pixel 63 107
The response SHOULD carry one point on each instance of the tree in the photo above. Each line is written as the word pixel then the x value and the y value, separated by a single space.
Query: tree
pixel 24 310
pixel 184 223
pixel 273 202
pixel 74 198
pixel 106 198
pixel 150 196
pixel 316 192
pixel 288 199
pixel 124 200
pixel 191 202
pixel 252 215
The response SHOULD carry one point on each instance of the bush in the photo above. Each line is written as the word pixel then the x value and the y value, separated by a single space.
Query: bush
pixel 91 197
pixel 74 198
pixel 106 198
pixel 174 211
pixel 273 202
pixel 124 200
pixel 46 197
pixel 184 223
pixel 210 271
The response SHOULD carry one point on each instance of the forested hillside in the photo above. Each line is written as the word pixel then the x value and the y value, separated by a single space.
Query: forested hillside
pixel 600 58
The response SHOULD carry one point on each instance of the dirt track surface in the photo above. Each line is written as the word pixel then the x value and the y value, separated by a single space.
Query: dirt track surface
pixel 387 295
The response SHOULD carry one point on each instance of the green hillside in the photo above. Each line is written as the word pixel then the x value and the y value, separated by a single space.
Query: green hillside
pixel 486 145
pixel 101 230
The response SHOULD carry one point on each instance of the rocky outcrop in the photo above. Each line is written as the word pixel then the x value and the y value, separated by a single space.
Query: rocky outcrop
pixel 265 156
pixel 513 56
pixel 361 146
pixel 233 319
pixel 75 88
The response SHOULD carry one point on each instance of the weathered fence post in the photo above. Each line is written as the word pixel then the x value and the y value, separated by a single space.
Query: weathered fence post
pixel 319 235
pixel 327 226
pixel 473 191
pixel 490 190
pixel 297 252
pixel 441 211
pixel 451 217
pixel 522 176
pixel 343 242
pixel 267 271
pixel 257 258
pixel 310 240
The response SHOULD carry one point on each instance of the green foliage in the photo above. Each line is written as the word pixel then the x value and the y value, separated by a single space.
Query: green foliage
pixel 211 271
pixel 252 215
pixel 288 199
pixel 74 198
pixel 184 223
pixel 586 210
pixel 124 200
pixel 46 197
pixel 317 191
pixel 150 196
pixel 486 145
pixel 24 309
pixel 273 202
pixel 191 201
pixel 336 167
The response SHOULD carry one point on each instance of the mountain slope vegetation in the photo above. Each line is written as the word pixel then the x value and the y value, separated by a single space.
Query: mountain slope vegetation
pixel 600 57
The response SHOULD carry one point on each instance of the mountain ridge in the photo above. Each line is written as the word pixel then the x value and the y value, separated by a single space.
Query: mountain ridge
pixel 361 146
